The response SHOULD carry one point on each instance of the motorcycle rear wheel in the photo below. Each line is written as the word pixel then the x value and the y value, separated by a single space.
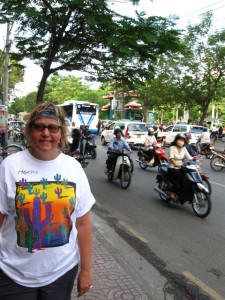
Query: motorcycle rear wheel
pixel 163 186
pixel 93 153
pixel 217 160
pixel 142 164
pixel 223 138
pixel 125 178
pixel 201 204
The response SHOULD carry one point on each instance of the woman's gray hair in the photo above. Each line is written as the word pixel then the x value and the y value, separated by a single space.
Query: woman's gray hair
pixel 50 111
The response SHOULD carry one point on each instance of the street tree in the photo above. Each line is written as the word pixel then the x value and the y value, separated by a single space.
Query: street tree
pixel 88 36
pixel 193 78
pixel 16 72
pixel 61 88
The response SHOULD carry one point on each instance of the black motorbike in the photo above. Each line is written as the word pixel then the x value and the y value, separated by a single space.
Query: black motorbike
pixel 90 148
pixel 198 195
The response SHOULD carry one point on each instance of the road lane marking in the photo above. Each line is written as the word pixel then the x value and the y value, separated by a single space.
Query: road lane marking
pixel 133 232
pixel 214 295
pixel 220 184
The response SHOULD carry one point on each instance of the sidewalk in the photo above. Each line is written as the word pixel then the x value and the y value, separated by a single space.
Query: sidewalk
pixel 119 272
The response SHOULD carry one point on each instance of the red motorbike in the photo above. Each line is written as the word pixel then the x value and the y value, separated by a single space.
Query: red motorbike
pixel 159 157
pixel 205 149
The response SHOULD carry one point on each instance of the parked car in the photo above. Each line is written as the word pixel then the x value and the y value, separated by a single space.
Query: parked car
pixel 133 131
pixel 195 130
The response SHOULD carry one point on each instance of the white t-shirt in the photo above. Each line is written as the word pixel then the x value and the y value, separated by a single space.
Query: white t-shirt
pixel 150 140
pixel 42 199
pixel 205 137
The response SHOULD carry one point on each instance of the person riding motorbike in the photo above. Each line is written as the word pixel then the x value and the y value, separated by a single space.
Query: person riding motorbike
pixel 189 148
pixel 204 138
pixel 116 143
pixel 150 141
pixel 177 153
pixel 84 133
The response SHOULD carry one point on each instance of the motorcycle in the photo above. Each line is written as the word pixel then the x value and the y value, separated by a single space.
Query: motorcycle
pixel 204 149
pixel 17 134
pixel 122 169
pixel 90 148
pixel 217 162
pixel 159 157
pixel 198 196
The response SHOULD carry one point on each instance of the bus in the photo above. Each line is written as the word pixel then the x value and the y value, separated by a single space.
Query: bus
pixel 81 113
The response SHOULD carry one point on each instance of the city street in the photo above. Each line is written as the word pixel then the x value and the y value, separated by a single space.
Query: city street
pixel 166 250
pixel 169 236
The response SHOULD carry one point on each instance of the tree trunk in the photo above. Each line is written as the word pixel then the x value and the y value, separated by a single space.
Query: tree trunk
pixel 41 89
pixel 204 112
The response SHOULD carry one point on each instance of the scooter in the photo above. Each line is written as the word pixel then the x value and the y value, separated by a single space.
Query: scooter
pixel 90 149
pixel 159 157
pixel 121 170
pixel 198 194
pixel 217 162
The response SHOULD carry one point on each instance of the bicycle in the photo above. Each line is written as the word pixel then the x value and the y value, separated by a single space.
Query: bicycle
pixel 8 150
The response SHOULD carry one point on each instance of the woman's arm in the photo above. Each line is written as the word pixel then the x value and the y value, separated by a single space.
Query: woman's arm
pixel 84 228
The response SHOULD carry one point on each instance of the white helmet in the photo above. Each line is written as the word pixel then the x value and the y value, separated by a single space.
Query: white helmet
pixel 150 129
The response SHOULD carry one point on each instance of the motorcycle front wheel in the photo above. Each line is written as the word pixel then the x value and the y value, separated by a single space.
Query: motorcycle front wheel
pixel 125 178
pixel 201 204
pixel 142 162
pixel 217 160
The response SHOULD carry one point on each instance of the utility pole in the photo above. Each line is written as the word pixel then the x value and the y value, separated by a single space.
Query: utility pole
pixel 6 67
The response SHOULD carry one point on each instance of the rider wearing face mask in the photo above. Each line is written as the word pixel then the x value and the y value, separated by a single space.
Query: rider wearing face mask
pixel 177 153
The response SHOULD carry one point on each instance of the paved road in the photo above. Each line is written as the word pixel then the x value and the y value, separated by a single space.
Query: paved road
pixel 169 237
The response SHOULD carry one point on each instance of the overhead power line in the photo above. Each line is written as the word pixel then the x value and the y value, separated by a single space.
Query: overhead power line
pixel 201 9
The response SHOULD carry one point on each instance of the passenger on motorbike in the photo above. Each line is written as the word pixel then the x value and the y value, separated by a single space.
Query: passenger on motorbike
pixel 75 146
pixel 150 141
pixel 189 147
pixel 177 153
pixel 116 143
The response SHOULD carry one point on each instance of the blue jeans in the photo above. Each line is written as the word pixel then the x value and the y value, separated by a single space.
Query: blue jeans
pixel 60 289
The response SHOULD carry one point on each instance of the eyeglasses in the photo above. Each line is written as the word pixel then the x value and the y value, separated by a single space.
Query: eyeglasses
pixel 51 128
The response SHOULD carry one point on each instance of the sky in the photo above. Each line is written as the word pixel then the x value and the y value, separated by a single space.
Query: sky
pixel 188 11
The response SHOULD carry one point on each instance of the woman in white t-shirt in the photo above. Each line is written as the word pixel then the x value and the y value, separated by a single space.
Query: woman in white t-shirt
pixel 177 153
pixel 45 203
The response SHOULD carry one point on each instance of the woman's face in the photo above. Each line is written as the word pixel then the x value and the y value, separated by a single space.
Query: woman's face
pixel 45 140
pixel 180 143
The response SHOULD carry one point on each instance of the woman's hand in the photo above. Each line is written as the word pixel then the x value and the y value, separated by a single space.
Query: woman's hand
pixel 84 282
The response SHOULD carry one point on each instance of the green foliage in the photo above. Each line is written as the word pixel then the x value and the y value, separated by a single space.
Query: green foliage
pixel 16 72
pixel 88 36
pixel 195 77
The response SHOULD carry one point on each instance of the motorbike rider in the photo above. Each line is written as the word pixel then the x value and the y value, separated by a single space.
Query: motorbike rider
pixel 84 134
pixel 150 141
pixel 189 147
pixel 204 138
pixel 177 153
pixel 116 143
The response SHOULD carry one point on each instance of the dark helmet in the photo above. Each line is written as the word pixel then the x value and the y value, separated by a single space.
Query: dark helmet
pixel 187 135
pixel 179 136
pixel 117 130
